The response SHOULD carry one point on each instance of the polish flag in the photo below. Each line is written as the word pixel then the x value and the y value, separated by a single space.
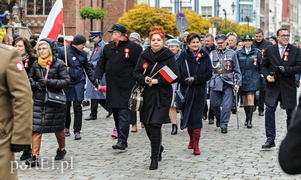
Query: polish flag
pixel 168 74
pixel 54 22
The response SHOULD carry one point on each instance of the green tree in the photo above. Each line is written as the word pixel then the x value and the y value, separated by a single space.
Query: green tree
pixel 143 17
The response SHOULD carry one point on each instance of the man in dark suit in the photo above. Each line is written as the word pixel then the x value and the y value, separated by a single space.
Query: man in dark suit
pixel 280 64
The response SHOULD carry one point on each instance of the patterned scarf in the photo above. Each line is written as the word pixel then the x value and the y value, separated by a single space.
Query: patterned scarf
pixel 24 56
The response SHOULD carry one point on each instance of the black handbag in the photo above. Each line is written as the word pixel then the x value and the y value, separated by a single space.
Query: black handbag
pixel 136 98
pixel 54 98
pixel 180 99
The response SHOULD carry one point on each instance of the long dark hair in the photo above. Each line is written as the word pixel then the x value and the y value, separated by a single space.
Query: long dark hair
pixel 28 47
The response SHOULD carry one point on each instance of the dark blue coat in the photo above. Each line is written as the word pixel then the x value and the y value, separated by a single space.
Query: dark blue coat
pixel 250 68
pixel 201 70
pixel 78 68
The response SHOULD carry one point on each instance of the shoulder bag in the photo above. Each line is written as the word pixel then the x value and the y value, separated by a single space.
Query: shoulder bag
pixel 54 98
pixel 180 99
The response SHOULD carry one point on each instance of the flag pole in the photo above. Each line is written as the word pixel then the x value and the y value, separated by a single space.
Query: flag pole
pixel 65 46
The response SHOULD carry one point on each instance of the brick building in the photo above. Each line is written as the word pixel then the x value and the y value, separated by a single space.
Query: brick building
pixel 34 14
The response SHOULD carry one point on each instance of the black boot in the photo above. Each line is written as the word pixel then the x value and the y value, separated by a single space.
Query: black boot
pixel 160 154
pixel 155 137
pixel 154 163
pixel 247 109
pixel 249 124
pixel 174 130
pixel 26 153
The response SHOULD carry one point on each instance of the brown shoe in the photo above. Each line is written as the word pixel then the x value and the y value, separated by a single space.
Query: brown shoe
pixel 134 128
pixel 142 125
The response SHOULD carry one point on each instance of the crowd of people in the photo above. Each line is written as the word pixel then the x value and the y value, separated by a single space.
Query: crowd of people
pixel 224 69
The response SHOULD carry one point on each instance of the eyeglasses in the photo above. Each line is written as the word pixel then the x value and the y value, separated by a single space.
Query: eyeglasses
pixel 284 35
pixel 39 49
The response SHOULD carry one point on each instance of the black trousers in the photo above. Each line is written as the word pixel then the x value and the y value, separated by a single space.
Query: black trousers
pixel 94 106
pixel 122 123
pixel 78 116
pixel 261 97
pixel 133 116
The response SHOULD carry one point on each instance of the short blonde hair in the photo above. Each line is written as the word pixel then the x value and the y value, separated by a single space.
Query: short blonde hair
pixel 41 43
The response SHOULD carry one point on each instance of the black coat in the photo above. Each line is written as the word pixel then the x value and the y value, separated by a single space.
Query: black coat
pixel 285 83
pixel 119 71
pixel 290 148
pixel 47 118
pixel 196 96
pixel 249 65
pixel 157 98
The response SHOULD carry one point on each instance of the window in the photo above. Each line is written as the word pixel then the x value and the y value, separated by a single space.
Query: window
pixel 186 8
pixel 206 11
pixel 246 13
pixel 38 7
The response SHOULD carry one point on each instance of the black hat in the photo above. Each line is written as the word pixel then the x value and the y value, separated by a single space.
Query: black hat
pixel 247 37
pixel 220 36
pixel 60 39
pixel 94 34
pixel 274 37
pixel 79 39
pixel 118 27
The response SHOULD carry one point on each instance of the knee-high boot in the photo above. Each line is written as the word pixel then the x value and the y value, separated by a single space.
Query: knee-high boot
pixel 249 124
pixel 196 138
pixel 190 132
pixel 155 137
pixel 247 112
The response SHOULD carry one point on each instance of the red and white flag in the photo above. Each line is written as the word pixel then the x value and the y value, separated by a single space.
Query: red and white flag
pixel 168 74
pixel 54 22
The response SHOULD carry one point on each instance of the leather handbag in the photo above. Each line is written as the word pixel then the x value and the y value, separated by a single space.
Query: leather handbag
pixel 180 99
pixel 55 98
pixel 136 98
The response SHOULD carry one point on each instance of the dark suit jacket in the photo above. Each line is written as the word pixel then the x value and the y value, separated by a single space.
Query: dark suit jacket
pixel 290 148
pixel 285 82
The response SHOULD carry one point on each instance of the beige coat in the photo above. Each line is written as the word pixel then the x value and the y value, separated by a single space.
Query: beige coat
pixel 16 108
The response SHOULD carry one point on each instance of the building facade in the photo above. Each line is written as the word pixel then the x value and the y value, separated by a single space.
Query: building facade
pixel 35 12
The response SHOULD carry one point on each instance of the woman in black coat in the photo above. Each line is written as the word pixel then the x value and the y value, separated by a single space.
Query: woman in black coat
pixel 249 59
pixel 51 73
pixel 157 94
pixel 194 87
pixel 28 57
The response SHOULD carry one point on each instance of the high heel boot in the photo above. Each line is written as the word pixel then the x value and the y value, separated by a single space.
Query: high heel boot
pixel 196 139
pixel 249 124
pixel 174 130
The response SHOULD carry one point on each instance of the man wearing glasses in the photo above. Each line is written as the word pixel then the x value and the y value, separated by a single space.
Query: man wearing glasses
pixel 280 64
pixel 118 61
pixel 225 66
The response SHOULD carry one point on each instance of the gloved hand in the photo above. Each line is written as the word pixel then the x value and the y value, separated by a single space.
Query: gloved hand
pixel 189 81
pixel 281 69
pixel 17 147
pixel 96 82
pixel 41 85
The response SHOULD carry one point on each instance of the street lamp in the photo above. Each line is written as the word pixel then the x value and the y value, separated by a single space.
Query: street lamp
pixel 248 20
pixel 225 12
pixel 15 11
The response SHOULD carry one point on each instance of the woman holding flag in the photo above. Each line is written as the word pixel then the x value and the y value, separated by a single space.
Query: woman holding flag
pixel 51 73
pixel 195 69
pixel 156 70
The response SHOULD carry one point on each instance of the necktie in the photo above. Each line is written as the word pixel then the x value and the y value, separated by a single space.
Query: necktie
pixel 282 51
